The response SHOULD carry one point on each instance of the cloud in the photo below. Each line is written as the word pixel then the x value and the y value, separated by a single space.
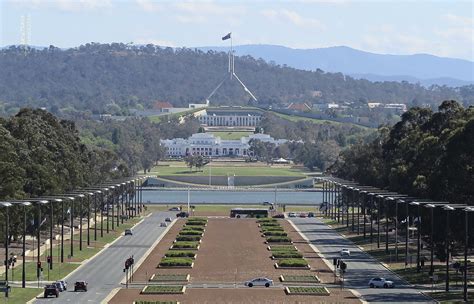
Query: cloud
pixel 64 5
pixel 149 5
pixel 293 17
pixel 459 20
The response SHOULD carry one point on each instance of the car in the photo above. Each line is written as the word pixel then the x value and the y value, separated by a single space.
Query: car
pixel 128 232
pixel 345 251
pixel 80 285
pixel 182 214
pixel 51 290
pixel 64 283
pixel 168 219
pixel 59 286
pixel 303 214
pixel 280 215
pixel 310 214
pixel 164 224
pixel 174 209
pixel 259 282
pixel 291 214
pixel 380 282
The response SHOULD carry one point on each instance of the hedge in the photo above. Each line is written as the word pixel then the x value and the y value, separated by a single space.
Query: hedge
pixel 282 248
pixel 270 224
pixel 278 239
pixel 308 290
pixel 168 277
pixel 190 232
pixel 193 228
pixel 186 245
pixel 286 255
pixel 275 233
pixel 272 228
pixel 155 302
pixel 162 289
pixel 292 263
pixel 180 254
pixel 195 223
pixel 176 262
pixel 188 238
pixel 266 220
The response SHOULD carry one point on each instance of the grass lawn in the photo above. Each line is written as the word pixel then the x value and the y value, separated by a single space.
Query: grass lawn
pixel 180 168
pixel 22 295
pixel 58 272
pixel 450 297
pixel 169 277
pixel 162 289
pixel 230 135
pixel 162 118
pixel 308 290
pixel 296 118
pixel 300 278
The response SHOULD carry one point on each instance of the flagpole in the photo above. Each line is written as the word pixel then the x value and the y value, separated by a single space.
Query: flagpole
pixel 232 56
pixel 188 199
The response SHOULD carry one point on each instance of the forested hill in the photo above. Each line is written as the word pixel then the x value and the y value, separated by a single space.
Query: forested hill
pixel 95 76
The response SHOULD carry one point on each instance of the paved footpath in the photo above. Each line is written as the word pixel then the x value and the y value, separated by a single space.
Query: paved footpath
pixel 104 272
pixel 360 266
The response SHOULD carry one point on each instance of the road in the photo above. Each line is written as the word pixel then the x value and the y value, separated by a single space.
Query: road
pixel 105 271
pixel 360 266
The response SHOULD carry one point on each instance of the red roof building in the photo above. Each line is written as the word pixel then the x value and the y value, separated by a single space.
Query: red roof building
pixel 160 105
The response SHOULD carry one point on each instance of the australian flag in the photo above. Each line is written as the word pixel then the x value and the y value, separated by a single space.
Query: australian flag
pixel 226 37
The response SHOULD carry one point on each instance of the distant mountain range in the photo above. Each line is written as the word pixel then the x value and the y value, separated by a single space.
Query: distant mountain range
pixel 423 68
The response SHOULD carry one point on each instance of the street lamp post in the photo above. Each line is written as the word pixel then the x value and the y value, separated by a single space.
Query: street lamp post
pixel 466 244
pixel 6 205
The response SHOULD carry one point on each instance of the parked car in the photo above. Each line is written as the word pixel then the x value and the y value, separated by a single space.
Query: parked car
pixel 259 282
pixel 168 219
pixel 64 283
pixel 51 290
pixel 380 282
pixel 128 232
pixel 345 251
pixel 174 209
pixel 59 286
pixel 303 214
pixel 280 215
pixel 182 214
pixel 291 214
pixel 164 224
pixel 80 285
pixel 310 214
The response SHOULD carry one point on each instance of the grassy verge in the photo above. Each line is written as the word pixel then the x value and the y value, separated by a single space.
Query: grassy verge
pixel 300 278
pixel 450 297
pixel 169 277
pixel 162 289
pixel 22 295
pixel 307 290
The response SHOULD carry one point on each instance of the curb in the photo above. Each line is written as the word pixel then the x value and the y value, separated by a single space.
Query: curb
pixel 330 266
pixel 110 295
pixel 147 253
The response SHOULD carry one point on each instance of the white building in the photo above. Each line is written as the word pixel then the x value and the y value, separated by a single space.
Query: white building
pixel 207 144
pixel 230 117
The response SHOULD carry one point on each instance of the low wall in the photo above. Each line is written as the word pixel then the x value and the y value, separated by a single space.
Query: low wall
pixel 239 181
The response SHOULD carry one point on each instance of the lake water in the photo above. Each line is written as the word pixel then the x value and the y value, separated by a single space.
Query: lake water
pixel 232 197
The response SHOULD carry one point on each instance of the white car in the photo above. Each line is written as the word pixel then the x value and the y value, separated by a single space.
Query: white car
pixel 345 251
pixel 259 282
pixel 380 282
pixel 291 214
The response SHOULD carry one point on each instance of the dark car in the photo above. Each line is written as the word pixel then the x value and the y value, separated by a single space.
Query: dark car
pixel 51 290
pixel 80 285
pixel 310 214
pixel 182 214
pixel 281 215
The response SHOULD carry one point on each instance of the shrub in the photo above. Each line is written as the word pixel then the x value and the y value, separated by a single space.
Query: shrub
pixel 188 238
pixel 266 220
pixel 292 263
pixel 176 262
pixel 270 224
pixel 185 245
pixel 190 232
pixel 278 239
pixel 162 289
pixel 282 248
pixel 155 302
pixel 286 254
pixel 308 289
pixel 180 254
pixel 196 223
pixel 193 228
pixel 272 228
pixel 275 233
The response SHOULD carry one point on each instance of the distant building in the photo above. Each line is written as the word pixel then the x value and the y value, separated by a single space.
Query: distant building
pixel 397 107
pixel 207 144
pixel 162 106
pixel 325 106
pixel 301 107
pixel 230 116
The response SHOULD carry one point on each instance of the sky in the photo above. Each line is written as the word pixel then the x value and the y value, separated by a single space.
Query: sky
pixel 442 28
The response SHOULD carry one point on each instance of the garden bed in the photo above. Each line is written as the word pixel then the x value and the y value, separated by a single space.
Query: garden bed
pixel 185 246
pixel 176 263
pixel 307 290
pixel 180 254
pixel 169 278
pixel 275 233
pixel 188 238
pixel 155 302
pixel 299 279
pixel 276 255
pixel 279 239
pixel 292 264
pixel 171 289
pixel 276 247
pixel 188 232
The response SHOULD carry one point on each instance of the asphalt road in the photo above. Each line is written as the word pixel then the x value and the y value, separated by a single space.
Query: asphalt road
pixel 361 267
pixel 105 271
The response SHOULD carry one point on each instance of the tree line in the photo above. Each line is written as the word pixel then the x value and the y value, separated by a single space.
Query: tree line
pixel 114 78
